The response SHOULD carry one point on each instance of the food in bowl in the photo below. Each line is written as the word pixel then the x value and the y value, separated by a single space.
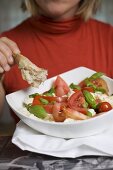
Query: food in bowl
pixel 65 102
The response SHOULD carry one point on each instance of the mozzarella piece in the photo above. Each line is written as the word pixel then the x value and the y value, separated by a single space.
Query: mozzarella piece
pixel 103 97
pixel 92 111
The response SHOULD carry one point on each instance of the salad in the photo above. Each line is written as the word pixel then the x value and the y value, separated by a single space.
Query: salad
pixel 70 102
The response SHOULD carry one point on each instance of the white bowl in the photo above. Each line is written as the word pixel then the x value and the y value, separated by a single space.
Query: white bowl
pixel 63 130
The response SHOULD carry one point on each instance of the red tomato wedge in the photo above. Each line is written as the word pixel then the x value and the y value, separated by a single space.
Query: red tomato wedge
pixel 48 108
pixel 73 114
pixel 61 87
pixel 36 101
pixel 77 101
pixel 58 115
pixel 82 84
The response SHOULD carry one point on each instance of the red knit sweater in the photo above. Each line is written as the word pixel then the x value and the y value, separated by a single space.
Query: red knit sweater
pixel 61 46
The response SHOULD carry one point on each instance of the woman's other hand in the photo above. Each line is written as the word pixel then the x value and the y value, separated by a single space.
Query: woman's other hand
pixel 7 48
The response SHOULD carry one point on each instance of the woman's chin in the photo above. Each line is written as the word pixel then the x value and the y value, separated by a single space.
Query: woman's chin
pixel 57 15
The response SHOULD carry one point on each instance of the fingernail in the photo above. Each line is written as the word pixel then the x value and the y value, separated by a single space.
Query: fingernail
pixel 7 67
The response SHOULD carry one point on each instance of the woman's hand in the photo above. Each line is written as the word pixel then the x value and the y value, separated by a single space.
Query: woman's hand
pixel 7 48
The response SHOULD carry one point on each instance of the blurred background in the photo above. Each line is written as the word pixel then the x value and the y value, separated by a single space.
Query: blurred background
pixel 11 14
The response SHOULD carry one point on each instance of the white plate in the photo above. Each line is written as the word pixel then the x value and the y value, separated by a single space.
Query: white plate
pixel 63 130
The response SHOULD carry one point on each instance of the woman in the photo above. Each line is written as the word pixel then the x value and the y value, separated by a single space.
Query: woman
pixel 58 37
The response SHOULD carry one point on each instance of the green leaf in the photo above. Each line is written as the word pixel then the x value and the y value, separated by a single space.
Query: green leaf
pixel 33 95
pixel 89 83
pixel 100 89
pixel 96 75
pixel 27 105
pixel 50 92
pixel 74 86
pixel 90 99
pixel 89 114
pixel 43 101
pixel 85 105
pixel 38 111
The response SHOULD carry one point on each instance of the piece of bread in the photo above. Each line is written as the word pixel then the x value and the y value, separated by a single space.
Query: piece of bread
pixel 30 72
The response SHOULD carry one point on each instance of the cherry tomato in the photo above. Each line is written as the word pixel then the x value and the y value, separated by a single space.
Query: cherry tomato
pixel 104 107
pixel 77 102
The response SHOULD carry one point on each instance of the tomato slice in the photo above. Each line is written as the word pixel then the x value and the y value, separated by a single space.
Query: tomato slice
pixel 73 114
pixel 75 90
pixel 61 87
pixel 58 115
pixel 77 102
pixel 48 108
pixel 90 89
pixel 104 107
pixel 36 100
pixel 82 84
pixel 99 82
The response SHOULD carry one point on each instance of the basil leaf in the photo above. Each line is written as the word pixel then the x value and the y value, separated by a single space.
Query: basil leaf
pixel 74 86
pixel 96 75
pixel 43 101
pixel 38 111
pixel 90 99
pixel 33 95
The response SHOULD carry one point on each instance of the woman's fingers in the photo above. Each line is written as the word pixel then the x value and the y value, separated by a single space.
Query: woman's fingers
pixel 6 51
pixel 1 70
pixel 3 63
pixel 7 48
pixel 11 44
